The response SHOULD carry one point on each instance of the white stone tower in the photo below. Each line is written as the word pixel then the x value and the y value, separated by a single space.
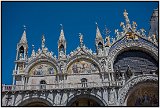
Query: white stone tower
pixel 21 59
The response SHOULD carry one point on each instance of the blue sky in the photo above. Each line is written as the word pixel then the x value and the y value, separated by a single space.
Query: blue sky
pixel 76 17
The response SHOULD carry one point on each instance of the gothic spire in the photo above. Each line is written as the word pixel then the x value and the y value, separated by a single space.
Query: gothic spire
pixel 23 38
pixel 61 37
pixel 98 33
pixel 61 44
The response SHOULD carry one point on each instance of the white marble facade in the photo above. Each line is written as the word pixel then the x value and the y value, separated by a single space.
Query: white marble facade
pixel 57 81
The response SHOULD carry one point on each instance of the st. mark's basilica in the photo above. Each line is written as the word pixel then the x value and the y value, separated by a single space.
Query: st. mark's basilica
pixel 122 72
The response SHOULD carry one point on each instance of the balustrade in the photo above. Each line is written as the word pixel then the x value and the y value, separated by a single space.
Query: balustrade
pixel 59 86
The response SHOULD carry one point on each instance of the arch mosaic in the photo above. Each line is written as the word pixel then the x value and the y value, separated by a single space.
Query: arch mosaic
pixel 136 60
pixel 43 69
pixel 143 94
pixel 41 65
pixel 131 83
pixel 124 45
pixel 83 65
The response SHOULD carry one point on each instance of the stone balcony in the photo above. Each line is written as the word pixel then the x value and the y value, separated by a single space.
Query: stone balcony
pixel 61 86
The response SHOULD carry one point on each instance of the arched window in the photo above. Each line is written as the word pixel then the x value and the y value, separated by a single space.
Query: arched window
pixel 21 52
pixel 42 84
pixel 21 49
pixel 61 48
pixel 84 82
pixel 100 45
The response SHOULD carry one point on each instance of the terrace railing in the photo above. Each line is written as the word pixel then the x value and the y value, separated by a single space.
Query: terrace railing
pixel 60 86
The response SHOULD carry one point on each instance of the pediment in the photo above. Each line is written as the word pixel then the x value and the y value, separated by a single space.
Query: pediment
pixel 81 51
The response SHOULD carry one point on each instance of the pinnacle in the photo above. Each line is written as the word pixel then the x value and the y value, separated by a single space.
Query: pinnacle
pixel 98 33
pixel 23 38
pixel 61 34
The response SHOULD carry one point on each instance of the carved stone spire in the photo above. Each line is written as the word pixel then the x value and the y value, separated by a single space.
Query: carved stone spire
pixel 23 38
pixel 81 39
pixel 33 52
pixel 43 41
pixel 98 33
pixel 61 37
pixel 61 44
pixel 126 18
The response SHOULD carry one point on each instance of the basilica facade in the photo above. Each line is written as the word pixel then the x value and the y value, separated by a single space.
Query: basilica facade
pixel 122 72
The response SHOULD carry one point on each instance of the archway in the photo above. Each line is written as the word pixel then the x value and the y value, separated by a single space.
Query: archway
pixel 143 94
pixel 137 60
pixel 35 102
pixel 85 100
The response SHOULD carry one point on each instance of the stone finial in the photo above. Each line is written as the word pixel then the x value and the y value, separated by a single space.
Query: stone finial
pixel 24 26
pixel 61 37
pixel 81 39
pixel 134 25
pixel 123 26
pixel 43 41
pixel 33 52
pixel 126 18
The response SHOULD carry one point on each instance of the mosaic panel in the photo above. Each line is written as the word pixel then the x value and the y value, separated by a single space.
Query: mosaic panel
pixel 81 67
pixel 137 61
pixel 43 69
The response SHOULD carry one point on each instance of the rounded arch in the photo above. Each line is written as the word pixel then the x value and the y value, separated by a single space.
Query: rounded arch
pixel 100 45
pixel 134 57
pixel 61 46
pixel 152 54
pixel 93 98
pixel 39 61
pixel 42 82
pixel 143 94
pixel 21 49
pixel 123 45
pixel 35 102
pixel 85 58
pixel 123 92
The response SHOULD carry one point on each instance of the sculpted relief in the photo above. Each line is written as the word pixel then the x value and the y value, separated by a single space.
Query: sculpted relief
pixel 42 69
pixel 82 67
